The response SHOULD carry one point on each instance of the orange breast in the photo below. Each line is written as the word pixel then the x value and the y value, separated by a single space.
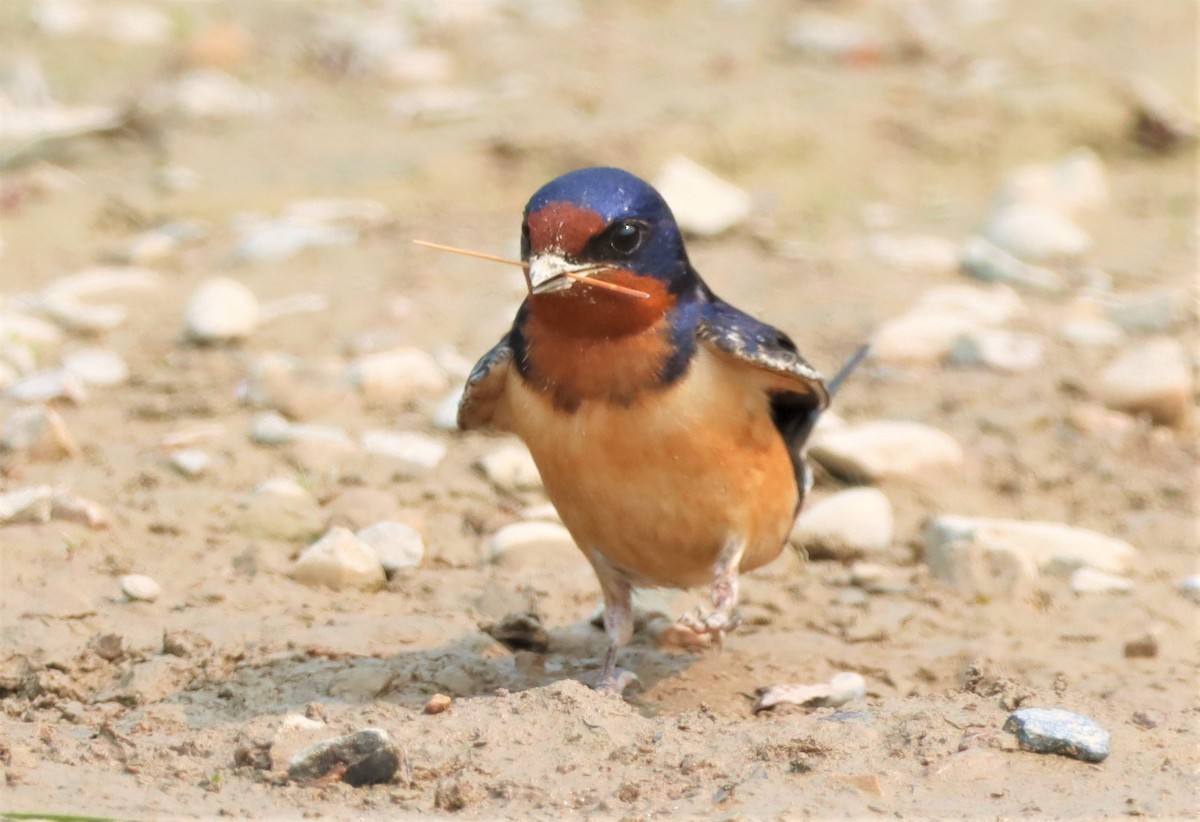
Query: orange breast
pixel 660 485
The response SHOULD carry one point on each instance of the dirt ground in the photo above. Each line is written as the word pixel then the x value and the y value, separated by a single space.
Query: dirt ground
pixel 171 719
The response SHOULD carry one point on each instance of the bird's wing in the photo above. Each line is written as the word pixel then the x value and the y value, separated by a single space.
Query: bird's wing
pixel 482 404
pixel 735 334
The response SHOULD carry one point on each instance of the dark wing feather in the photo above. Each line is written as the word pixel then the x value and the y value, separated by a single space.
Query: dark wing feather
pixel 485 389
pixel 797 391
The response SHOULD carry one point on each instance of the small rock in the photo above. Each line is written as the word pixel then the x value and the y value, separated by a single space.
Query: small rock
pixel 1189 587
pixel 1036 232
pixel 29 330
pixel 39 433
pixel 1077 184
pixel 1142 647
pixel 1088 332
pixel 271 428
pixel 1153 378
pixel 878 579
pixel 264 240
pixel 1160 124
pixel 1150 312
pixel 97 366
pixel 438 703
pixel 394 378
pixel 838 691
pixel 140 587
pixel 71 508
pixel 845 525
pixel 221 310
pixel 874 450
pixel 295 733
pixel 540 544
pixel 703 203
pixel 1053 730
pixel 190 462
pixel 1097 420
pixel 34 504
pixel 414 452
pixel 999 349
pixel 396 545
pixel 80 317
pixel 368 757
pixel 1048 546
pixel 520 632
pixel 915 254
pixel 340 560
pixel 284 487
pixel 919 337
pixel 985 261
pixel 511 468
pixel 445 415
pixel 45 386
pixel 1090 581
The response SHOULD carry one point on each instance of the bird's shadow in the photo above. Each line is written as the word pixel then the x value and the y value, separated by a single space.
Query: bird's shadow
pixel 471 665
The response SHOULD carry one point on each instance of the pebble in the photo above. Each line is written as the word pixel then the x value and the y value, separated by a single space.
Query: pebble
pixel 270 241
pixel 1144 646
pixel 191 462
pixel 340 560
pixel 357 212
pixel 271 428
pixel 1047 546
pixel 438 703
pixel 1150 312
pixel 511 468
pixel 1091 332
pixel 1077 184
pixel 1036 232
pixel 999 349
pixel 1090 581
pixel 1100 421
pixel 839 690
pixel 284 487
pixel 221 310
pixel 72 508
pixel 1153 378
pixel 830 37
pixel 295 733
pixel 879 579
pixel 445 416
pixel 917 254
pixel 44 386
pixel 415 452
pixel 396 545
pixel 29 330
pixel 39 433
pixel 34 504
pixel 84 318
pixel 919 337
pixel 874 450
pixel 1053 730
pixel 140 587
pixel 524 544
pixel 983 260
pixel 1189 587
pixel 845 525
pixel 703 203
pixel 104 279
pixel 1160 123
pixel 368 757
pixel 394 378
pixel 97 366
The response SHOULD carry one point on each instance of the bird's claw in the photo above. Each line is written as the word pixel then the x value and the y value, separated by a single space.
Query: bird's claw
pixel 709 628
pixel 616 682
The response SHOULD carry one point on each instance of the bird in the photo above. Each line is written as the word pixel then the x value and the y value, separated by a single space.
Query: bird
pixel 668 426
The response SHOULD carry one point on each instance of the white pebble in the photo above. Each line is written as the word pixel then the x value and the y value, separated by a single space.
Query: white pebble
pixel 220 310
pixel 846 524
pixel 916 254
pixel 283 487
pixel 1190 587
pixel 103 280
pixel 140 587
pixel 190 462
pixel 1077 184
pixel 417 452
pixel 29 330
pixel 1002 350
pixel 44 386
pixel 525 544
pixel 1153 378
pixel 511 468
pixel 919 337
pixel 993 304
pixel 1150 312
pixel 397 377
pixel 340 560
pixel 1090 581
pixel 40 433
pixel 396 545
pixel 33 504
pixel 97 366
pixel 842 688
pixel 873 450
pixel 445 416
pixel 1036 232
pixel 985 261
pixel 73 508
pixel 213 94
pixel 81 317
pixel 271 428
pixel 265 241
pixel 703 203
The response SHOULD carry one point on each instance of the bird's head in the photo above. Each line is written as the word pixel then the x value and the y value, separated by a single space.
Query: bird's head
pixel 606 224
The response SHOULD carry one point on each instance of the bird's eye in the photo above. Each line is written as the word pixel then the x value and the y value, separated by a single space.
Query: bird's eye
pixel 525 240
pixel 626 237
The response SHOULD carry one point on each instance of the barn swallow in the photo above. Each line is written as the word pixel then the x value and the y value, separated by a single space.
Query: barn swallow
pixel 668 426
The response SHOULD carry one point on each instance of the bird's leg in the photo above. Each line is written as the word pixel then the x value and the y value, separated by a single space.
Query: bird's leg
pixel 725 616
pixel 618 622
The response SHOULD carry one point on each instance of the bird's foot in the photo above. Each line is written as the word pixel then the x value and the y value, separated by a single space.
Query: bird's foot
pixel 700 630
pixel 615 681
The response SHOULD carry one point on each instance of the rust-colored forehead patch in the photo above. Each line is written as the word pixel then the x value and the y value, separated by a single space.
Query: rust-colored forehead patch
pixel 564 228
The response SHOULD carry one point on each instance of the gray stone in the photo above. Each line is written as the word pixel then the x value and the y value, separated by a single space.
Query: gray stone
pixel 999 349
pixel 1150 312
pixel 1053 730
pixel 874 450
pixel 396 545
pixel 1036 232
pixel 44 386
pixel 986 261
pixel 368 757
pixel 191 462
pixel 1153 378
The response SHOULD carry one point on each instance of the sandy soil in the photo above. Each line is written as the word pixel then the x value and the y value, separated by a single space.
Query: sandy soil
pixel 175 719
